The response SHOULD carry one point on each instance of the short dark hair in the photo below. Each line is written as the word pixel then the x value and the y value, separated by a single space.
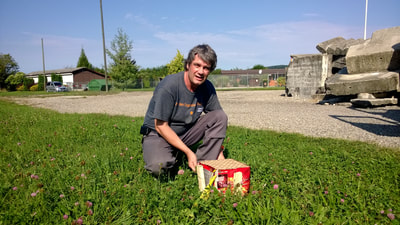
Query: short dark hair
pixel 206 53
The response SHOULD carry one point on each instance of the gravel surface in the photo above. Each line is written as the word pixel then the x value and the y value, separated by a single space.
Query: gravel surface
pixel 257 110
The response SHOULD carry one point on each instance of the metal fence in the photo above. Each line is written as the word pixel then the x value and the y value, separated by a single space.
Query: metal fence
pixel 244 80
pixel 219 81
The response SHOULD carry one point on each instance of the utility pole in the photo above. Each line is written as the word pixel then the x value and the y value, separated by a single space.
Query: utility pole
pixel 104 45
pixel 44 70
pixel 365 23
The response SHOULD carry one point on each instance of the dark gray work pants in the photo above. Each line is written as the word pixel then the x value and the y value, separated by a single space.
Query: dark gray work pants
pixel 159 156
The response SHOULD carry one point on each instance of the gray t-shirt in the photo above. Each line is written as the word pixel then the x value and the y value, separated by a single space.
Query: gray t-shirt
pixel 173 102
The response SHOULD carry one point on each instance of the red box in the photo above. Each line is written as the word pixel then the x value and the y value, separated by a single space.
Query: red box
pixel 229 173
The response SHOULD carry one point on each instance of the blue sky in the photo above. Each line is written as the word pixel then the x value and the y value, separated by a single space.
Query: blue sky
pixel 243 33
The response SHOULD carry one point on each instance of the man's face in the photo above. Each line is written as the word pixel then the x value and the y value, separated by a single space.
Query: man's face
pixel 198 72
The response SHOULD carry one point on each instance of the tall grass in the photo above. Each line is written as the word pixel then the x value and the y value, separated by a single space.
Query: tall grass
pixel 88 168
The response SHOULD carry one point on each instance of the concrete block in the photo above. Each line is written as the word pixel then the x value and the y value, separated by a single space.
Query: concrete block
pixel 345 84
pixel 380 53
pixel 373 102
pixel 306 75
pixel 337 46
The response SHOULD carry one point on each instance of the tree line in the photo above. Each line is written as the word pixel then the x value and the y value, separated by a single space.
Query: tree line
pixel 122 69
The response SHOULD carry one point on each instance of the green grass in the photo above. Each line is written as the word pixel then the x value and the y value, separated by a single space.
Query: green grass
pixel 43 154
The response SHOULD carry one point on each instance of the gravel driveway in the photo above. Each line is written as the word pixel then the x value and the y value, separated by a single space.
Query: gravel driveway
pixel 257 110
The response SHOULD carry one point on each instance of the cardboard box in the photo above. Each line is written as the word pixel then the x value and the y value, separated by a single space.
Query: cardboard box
pixel 224 174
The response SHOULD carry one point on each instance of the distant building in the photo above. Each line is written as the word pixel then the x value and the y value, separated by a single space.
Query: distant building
pixel 75 78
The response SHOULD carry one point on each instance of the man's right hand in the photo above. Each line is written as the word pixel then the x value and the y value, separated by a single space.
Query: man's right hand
pixel 172 138
pixel 192 160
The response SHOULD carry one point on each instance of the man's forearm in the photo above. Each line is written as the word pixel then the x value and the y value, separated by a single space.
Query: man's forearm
pixel 170 136
pixel 173 139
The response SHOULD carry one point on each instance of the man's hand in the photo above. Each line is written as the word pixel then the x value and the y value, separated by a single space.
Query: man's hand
pixel 221 155
pixel 170 136
pixel 192 160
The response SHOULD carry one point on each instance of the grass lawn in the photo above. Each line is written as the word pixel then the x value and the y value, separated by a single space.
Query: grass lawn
pixel 88 168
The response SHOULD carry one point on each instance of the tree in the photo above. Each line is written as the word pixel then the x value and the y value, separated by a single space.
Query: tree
pixel 8 66
pixel 15 80
pixel 83 61
pixel 41 80
pixel 123 69
pixel 259 67
pixel 151 76
pixel 216 71
pixel 56 77
pixel 177 64
pixel 28 82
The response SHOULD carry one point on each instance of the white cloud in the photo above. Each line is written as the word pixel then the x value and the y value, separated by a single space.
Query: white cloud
pixel 128 16
pixel 266 44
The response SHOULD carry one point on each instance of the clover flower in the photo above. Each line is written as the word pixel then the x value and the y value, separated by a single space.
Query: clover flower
pixel 391 216
pixel 89 204
pixel 276 186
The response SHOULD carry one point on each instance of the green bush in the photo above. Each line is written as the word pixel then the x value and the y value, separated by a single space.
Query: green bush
pixel 34 87
pixel 28 82
pixel 14 81
pixel 41 81
pixel 55 77
pixel 20 87
pixel 281 81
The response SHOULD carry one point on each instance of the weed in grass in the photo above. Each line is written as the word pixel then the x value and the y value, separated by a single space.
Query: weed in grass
pixel 88 169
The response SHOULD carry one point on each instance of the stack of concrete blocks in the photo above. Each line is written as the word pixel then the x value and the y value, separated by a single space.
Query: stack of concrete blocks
pixel 306 75
pixel 364 68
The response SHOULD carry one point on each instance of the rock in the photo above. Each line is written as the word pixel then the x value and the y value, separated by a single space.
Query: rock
pixel 380 53
pixel 345 84
pixel 337 46
pixel 365 103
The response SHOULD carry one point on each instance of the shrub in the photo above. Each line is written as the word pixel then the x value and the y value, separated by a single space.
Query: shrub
pixel 41 81
pixel 34 87
pixel 56 77
pixel 20 87
pixel 13 81
pixel 281 81
pixel 28 82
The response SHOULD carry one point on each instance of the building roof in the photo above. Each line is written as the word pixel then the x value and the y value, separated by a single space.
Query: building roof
pixel 62 71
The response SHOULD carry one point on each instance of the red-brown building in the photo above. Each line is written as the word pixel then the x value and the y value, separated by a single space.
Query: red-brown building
pixel 76 78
